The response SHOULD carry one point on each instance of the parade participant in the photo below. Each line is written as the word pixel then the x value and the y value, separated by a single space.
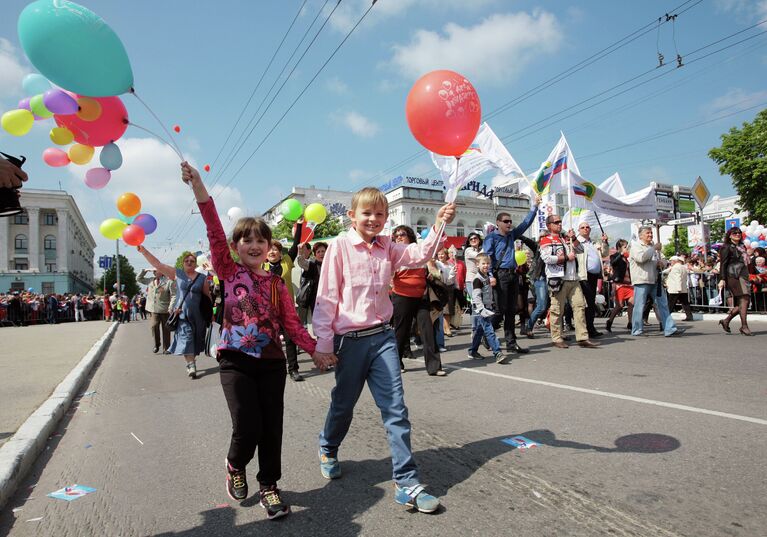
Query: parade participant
pixel 645 260
pixel 282 265
pixel 537 275
pixel 733 274
pixel 471 248
pixel 676 286
pixel 189 337
pixel 483 310
pixel 310 277
pixel 448 271
pixel 351 321
pixel 410 301
pixel 161 295
pixel 559 255
pixel 499 245
pixel 594 254
pixel 257 307
pixel 621 278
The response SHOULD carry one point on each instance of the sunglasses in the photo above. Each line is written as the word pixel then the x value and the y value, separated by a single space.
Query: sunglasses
pixel 585 227
pixel 557 222
pixel 506 221
pixel 400 234
pixel 736 232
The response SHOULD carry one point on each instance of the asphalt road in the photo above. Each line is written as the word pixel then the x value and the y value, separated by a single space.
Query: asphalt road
pixel 642 437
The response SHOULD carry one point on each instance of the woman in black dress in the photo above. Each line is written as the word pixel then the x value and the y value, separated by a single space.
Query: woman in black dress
pixel 733 274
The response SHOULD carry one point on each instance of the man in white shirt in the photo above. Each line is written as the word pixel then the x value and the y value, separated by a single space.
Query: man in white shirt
pixel 594 254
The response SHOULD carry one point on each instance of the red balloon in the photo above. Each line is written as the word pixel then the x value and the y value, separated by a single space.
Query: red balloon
pixel 134 235
pixel 176 128
pixel 108 127
pixel 307 233
pixel 443 112
pixel 206 167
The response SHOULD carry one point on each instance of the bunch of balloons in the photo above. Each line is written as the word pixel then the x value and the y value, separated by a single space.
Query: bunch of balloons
pixel 314 215
pixel 755 235
pixel 131 227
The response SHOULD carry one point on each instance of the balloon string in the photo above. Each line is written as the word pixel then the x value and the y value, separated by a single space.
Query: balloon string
pixel 163 140
pixel 170 136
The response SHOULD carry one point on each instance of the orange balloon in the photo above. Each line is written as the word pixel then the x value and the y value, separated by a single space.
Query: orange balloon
pixel 129 204
pixel 443 112
pixel 90 109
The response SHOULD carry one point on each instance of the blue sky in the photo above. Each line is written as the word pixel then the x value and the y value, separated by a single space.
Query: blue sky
pixel 197 63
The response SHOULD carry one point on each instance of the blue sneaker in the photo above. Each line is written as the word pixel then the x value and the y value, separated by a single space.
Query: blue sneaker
pixel 329 467
pixel 415 497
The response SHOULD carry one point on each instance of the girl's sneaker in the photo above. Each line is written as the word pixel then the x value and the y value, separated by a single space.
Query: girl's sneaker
pixel 236 483
pixel 415 497
pixel 271 501
pixel 191 370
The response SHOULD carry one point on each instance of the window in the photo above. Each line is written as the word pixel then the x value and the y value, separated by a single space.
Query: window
pixel 49 242
pixel 50 267
pixel 479 225
pixel 460 229
pixel 20 264
pixel 20 243
pixel 49 219
pixel 420 226
pixel 21 218
pixel 48 288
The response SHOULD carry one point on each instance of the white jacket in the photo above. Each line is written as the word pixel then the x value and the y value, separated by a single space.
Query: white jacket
pixel 643 263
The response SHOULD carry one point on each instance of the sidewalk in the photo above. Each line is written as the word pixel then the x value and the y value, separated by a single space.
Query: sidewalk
pixel 34 395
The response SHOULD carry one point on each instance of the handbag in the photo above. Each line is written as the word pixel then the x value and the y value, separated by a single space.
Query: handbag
pixel 174 316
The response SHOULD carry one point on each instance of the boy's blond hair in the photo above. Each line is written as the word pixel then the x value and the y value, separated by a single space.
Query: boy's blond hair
pixel 482 257
pixel 370 197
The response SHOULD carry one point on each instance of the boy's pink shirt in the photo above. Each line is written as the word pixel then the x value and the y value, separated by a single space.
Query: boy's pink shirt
pixel 353 291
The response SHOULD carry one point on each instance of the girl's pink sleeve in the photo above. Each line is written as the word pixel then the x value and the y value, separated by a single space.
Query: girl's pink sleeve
pixel 221 257
pixel 291 323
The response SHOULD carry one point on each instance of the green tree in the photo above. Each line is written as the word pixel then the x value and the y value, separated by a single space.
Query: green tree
pixel 127 278
pixel 716 230
pixel 329 228
pixel 670 250
pixel 742 157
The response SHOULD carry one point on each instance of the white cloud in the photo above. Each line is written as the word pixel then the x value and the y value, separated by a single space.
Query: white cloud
pixel 358 124
pixel 336 85
pixel 356 175
pixel 735 98
pixel 150 170
pixel 12 71
pixel 494 51
pixel 350 11
pixel 744 10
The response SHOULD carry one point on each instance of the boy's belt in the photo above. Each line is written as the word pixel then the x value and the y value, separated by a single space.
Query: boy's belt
pixel 373 330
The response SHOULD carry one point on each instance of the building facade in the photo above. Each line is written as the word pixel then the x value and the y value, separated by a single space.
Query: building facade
pixel 48 247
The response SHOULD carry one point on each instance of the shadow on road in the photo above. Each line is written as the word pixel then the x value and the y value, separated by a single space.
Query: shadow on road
pixel 333 508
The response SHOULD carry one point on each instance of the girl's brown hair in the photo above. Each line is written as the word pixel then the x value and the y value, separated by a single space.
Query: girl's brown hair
pixel 257 227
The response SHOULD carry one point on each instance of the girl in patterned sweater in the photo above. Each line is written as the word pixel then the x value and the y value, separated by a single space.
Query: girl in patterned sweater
pixel 257 306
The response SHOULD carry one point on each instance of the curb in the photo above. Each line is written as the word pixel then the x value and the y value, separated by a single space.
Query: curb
pixel 19 453
pixel 679 316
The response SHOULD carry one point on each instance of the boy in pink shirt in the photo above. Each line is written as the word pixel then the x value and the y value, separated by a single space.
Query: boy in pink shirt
pixel 351 322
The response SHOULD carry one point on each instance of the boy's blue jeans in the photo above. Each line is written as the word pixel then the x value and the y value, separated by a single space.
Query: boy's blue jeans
pixel 372 359
pixel 541 301
pixel 483 327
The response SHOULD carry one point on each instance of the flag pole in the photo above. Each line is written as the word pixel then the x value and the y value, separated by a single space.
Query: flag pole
pixel 442 223
pixel 600 223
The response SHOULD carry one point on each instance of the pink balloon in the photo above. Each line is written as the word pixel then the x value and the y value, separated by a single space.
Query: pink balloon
pixel 55 157
pixel 108 127
pixel 97 178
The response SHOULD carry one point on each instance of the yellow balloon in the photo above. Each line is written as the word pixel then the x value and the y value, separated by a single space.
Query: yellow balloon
pixel 315 213
pixel 81 154
pixel 112 228
pixel 61 136
pixel 18 122
pixel 90 109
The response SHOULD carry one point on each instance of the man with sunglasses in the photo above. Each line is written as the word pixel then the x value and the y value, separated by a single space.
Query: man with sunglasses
pixel 499 245
pixel 562 256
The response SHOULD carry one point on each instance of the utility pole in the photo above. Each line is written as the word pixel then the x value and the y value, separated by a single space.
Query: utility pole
pixel 117 261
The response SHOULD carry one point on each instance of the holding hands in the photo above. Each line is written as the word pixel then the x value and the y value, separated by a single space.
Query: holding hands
pixel 324 360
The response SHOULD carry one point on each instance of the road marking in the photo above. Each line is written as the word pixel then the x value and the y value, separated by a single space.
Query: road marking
pixel 665 404
pixel 137 439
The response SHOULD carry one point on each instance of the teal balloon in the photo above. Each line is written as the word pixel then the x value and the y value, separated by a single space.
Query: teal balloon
pixel 127 219
pixel 111 157
pixel 34 83
pixel 74 48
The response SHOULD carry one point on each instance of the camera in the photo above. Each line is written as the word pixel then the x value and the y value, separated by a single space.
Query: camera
pixel 9 197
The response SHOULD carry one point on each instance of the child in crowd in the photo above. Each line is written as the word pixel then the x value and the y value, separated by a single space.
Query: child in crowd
pixel 483 310
pixel 351 322
pixel 257 306
pixel 761 267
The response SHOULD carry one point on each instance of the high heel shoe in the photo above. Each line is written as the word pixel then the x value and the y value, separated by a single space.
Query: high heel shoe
pixel 725 324
pixel 746 331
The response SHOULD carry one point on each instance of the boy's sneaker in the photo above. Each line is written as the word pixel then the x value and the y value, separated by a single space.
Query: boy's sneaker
pixel 442 349
pixel 474 355
pixel 236 483
pixel 191 370
pixel 329 467
pixel 500 358
pixel 271 501
pixel 415 497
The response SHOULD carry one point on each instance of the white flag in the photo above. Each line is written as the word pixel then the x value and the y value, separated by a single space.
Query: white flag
pixel 636 206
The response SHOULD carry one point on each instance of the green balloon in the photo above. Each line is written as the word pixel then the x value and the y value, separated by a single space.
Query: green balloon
pixel 291 209
pixel 38 107
pixel 112 228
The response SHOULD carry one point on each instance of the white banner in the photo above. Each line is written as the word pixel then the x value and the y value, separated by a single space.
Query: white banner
pixel 636 206
pixel 613 186
pixel 486 153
